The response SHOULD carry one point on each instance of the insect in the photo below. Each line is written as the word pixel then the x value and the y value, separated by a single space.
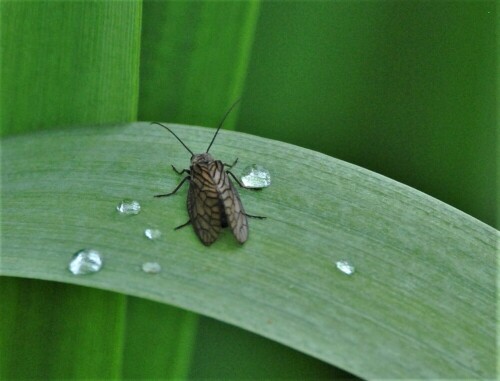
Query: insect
pixel 213 202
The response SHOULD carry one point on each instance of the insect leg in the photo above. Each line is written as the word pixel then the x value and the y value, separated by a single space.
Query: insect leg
pixel 181 226
pixel 176 189
pixel 232 165
pixel 181 172
pixel 252 216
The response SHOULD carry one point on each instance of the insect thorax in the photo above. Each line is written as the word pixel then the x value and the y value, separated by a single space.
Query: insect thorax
pixel 201 158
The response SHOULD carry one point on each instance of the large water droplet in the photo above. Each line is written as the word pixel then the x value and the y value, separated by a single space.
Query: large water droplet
pixel 85 261
pixel 346 267
pixel 129 207
pixel 256 176
pixel 152 234
pixel 151 267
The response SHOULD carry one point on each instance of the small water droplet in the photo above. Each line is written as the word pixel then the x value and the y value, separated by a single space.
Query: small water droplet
pixel 256 176
pixel 129 207
pixel 346 267
pixel 85 261
pixel 152 234
pixel 151 267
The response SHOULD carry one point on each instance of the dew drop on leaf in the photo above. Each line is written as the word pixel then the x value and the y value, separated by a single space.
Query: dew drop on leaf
pixel 346 267
pixel 256 176
pixel 152 234
pixel 128 207
pixel 85 262
pixel 151 267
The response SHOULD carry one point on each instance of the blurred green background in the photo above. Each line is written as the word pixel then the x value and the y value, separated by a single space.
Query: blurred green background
pixel 404 88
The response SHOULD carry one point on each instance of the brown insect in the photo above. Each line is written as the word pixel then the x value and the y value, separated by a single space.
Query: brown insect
pixel 213 202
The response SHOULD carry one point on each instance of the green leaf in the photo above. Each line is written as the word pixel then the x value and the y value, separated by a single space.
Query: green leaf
pixel 32 311
pixel 161 337
pixel 66 63
pixel 194 59
pixel 420 304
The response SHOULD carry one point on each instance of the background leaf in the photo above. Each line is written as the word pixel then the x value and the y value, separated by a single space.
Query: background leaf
pixel 194 59
pixel 68 63
pixel 73 323
pixel 425 282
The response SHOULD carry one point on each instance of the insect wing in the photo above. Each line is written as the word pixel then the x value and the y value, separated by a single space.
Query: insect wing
pixel 235 213
pixel 233 208
pixel 204 206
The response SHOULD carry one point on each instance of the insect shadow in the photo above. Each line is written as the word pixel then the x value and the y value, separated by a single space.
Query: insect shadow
pixel 213 203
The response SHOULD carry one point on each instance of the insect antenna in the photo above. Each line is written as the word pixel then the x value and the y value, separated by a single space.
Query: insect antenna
pixel 222 122
pixel 169 130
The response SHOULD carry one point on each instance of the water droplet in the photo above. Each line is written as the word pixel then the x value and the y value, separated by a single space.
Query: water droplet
pixel 85 261
pixel 346 267
pixel 256 176
pixel 152 234
pixel 151 267
pixel 129 207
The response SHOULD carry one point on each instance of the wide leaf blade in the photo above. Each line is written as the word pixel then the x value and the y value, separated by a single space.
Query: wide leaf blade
pixel 420 304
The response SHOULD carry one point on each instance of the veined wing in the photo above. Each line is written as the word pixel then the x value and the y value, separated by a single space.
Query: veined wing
pixel 203 203
pixel 233 208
